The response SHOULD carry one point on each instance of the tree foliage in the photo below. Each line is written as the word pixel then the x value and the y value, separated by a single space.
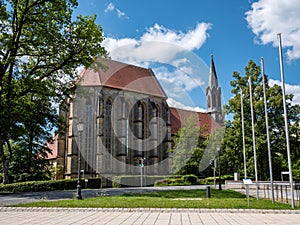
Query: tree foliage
pixel 232 143
pixel 188 148
pixel 41 47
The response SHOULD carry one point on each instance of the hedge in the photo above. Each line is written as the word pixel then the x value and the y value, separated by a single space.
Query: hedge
pixel 49 185
pixel 134 181
pixel 179 180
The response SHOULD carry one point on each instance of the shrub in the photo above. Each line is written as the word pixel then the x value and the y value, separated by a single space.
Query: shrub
pixel 134 181
pixel 49 185
pixel 94 183
pixel 178 180
pixel 190 178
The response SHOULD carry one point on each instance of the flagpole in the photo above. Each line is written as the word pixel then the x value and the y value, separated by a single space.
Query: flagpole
pixel 267 128
pixel 286 121
pixel 243 134
pixel 253 136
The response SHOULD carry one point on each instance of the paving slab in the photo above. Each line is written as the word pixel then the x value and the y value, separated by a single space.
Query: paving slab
pixel 48 216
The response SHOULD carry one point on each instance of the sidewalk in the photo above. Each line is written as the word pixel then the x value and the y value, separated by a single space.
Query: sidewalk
pixel 48 216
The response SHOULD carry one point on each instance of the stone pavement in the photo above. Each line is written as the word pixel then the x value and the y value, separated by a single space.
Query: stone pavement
pixel 62 216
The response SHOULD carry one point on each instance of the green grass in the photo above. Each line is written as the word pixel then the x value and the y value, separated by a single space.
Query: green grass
pixel 167 199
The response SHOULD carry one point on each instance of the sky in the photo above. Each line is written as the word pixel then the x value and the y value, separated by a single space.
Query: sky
pixel 176 39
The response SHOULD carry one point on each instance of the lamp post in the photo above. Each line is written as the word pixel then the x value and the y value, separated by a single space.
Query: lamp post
pixel 214 162
pixel 80 130
pixel 220 185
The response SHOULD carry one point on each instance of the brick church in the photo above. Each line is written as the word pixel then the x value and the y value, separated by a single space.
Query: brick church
pixel 126 119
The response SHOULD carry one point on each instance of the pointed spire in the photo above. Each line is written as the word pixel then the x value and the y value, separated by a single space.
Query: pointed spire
pixel 213 79
pixel 213 94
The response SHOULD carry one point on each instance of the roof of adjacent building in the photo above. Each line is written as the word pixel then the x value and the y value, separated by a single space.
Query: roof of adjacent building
pixel 53 146
pixel 205 121
pixel 122 76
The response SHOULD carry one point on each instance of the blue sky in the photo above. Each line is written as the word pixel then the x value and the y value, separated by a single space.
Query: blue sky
pixel 176 39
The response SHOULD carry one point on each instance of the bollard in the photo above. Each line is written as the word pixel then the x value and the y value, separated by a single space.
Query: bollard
pixel 207 191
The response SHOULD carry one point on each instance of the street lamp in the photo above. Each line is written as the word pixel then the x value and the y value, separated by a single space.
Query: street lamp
pixel 220 185
pixel 80 130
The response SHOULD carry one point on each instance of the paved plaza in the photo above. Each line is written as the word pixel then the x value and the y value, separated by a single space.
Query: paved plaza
pixel 48 216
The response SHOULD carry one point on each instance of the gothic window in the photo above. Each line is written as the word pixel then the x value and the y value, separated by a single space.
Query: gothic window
pixel 108 126
pixel 155 120
pixel 143 120
pixel 209 101
pixel 138 111
pixel 88 134
pixel 213 101
pixel 139 120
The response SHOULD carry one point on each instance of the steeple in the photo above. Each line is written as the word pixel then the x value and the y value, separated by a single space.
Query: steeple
pixel 213 79
pixel 213 94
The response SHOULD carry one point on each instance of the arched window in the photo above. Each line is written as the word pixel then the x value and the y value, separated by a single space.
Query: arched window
pixel 208 101
pixel 143 120
pixel 213 101
pixel 88 135
pixel 140 121
pixel 108 126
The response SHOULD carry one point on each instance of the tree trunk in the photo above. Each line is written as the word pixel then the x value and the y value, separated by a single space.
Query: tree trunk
pixel 4 162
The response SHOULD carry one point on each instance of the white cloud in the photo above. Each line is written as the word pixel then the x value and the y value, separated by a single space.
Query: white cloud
pixel 121 14
pixel 111 8
pixel 267 18
pixel 289 89
pixel 148 47
pixel 159 44
pixel 170 54
pixel 173 103
pixel 192 39
pixel 178 77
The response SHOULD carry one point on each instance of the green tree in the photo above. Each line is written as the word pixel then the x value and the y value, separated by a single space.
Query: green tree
pixel 188 149
pixel 41 49
pixel 26 165
pixel 232 143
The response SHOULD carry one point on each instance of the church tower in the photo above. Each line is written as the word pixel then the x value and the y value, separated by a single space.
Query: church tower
pixel 213 94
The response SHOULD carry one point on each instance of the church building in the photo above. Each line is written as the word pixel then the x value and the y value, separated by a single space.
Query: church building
pixel 126 121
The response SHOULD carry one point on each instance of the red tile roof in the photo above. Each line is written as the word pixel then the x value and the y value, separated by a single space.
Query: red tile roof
pixel 123 76
pixel 53 145
pixel 179 116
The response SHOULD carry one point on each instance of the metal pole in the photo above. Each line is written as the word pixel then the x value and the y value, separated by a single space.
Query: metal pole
pixel 220 185
pixel 247 193
pixel 243 134
pixel 267 128
pixel 286 122
pixel 215 164
pixel 141 172
pixel 78 196
pixel 253 137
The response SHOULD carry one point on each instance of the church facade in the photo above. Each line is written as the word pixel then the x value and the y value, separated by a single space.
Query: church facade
pixel 126 122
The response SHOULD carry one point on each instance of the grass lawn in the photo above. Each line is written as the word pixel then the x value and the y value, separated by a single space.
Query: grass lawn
pixel 167 199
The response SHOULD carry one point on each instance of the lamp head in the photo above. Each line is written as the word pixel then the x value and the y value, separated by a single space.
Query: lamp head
pixel 80 126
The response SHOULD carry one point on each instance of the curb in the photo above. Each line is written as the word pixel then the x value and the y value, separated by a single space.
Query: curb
pixel 163 210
